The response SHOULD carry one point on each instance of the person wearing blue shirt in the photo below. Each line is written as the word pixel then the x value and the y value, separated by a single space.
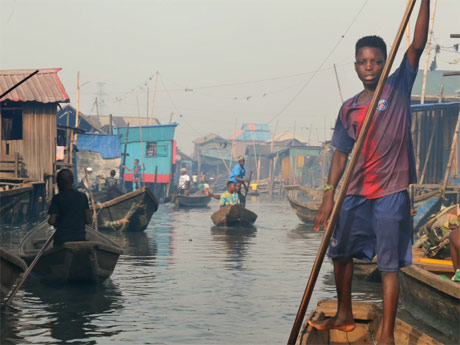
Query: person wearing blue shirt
pixel 238 172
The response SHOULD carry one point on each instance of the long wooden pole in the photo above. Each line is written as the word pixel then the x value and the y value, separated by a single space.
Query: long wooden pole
pixel 29 269
pixel 338 83
pixel 407 30
pixel 427 59
pixel 451 157
pixel 222 158
pixel 77 114
pixel 153 99
pixel 142 156
pixel 351 166
pixel 93 202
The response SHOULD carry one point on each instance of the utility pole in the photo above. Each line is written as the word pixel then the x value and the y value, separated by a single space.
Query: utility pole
pixel 153 99
pixel 100 103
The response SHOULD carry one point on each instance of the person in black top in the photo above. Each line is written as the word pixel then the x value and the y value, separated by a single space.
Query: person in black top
pixel 69 211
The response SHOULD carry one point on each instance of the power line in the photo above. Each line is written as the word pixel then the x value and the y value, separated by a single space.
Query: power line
pixel 320 66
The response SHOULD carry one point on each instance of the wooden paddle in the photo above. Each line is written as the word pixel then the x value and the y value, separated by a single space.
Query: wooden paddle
pixel 92 202
pixel 29 269
pixel 351 166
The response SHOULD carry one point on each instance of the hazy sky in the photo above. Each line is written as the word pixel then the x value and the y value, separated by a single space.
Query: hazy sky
pixel 244 60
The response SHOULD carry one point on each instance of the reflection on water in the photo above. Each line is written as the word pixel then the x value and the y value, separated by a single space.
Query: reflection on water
pixel 183 281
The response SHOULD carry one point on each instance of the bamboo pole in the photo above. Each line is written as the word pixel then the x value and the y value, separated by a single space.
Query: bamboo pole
pixel 451 157
pixel 93 202
pixel 346 181
pixel 427 59
pixel 142 157
pixel 138 108
pixel 222 158
pixel 153 98
pixel 338 83
pixel 407 30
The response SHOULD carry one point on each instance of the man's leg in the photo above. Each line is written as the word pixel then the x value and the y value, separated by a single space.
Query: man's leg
pixel 343 320
pixel 454 238
pixel 390 295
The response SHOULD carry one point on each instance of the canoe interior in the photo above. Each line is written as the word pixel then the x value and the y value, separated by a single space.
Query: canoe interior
pixel 305 210
pixel 129 212
pixel 192 200
pixel 11 266
pixel 368 319
pixel 90 261
pixel 235 215
pixel 432 299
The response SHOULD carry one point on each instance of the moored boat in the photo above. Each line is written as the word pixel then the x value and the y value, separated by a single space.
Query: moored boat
pixel 368 321
pixel 432 299
pixel 90 261
pixel 190 201
pixel 11 266
pixel 129 212
pixel 305 210
pixel 234 215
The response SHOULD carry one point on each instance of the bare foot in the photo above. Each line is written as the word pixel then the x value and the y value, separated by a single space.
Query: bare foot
pixel 333 323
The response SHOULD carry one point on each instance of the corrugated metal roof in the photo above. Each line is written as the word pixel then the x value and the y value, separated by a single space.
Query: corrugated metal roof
pixel 44 87
pixel 252 132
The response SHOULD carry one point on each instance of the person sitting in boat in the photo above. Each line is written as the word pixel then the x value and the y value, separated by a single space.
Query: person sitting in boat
pixel 238 172
pixel 184 182
pixel 69 211
pixel 137 174
pixel 241 196
pixel 230 197
pixel 88 183
pixel 113 189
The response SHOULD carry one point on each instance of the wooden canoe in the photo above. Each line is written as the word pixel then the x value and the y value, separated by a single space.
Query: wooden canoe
pixel 91 261
pixel 305 211
pixel 129 212
pixel 235 215
pixel 11 266
pixel 190 201
pixel 368 320
pixel 431 298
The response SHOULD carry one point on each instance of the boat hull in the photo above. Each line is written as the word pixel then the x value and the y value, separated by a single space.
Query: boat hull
pixel 11 266
pixel 432 299
pixel 82 262
pixel 368 321
pixel 191 201
pixel 129 212
pixel 234 216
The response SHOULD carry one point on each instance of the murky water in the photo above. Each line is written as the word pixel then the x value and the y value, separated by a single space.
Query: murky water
pixel 184 282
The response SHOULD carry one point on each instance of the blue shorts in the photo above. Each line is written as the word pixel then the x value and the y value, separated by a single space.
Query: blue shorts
pixel 369 227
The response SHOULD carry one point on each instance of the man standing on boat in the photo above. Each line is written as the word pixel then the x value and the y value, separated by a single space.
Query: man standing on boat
pixel 184 182
pixel 375 215
pixel 69 211
pixel 238 172
pixel 137 174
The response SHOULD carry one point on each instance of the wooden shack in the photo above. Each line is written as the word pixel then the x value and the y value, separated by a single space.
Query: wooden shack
pixel 28 126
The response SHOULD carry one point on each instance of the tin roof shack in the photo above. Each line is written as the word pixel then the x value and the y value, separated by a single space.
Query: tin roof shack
pixel 28 134
pixel 289 165
pixel 249 134
pixel 438 87
pixel 213 156
pixel 433 126
pixel 155 147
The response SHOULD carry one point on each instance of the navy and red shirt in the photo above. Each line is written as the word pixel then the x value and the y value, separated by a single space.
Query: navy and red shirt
pixel 386 164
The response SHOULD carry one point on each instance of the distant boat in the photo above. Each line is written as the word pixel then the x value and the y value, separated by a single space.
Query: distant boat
pixel 91 261
pixel 11 266
pixel 129 212
pixel 431 298
pixel 191 201
pixel 234 215
pixel 305 211
pixel 368 321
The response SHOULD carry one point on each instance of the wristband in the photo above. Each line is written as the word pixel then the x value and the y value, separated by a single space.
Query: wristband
pixel 329 187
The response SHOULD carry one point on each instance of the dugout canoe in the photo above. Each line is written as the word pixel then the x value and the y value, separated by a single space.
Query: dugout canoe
pixel 91 261
pixel 368 320
pixel 191 201
pixel 129 212
pixel 11 266
pixel 431 298
pixel 305 211
pixel 234 216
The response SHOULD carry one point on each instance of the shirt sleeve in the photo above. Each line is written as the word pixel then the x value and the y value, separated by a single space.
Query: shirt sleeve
pixel 341 140
pixel 54 209
pixel 404 77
